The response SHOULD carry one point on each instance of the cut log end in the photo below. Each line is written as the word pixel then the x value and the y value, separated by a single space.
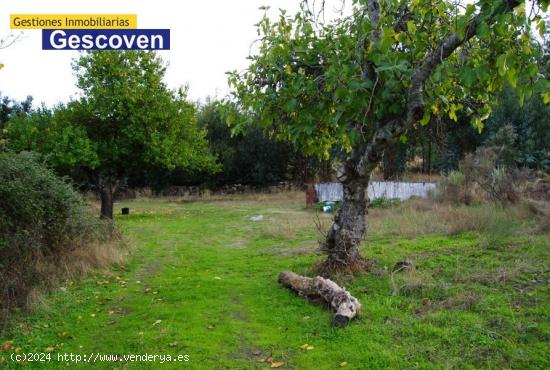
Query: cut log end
pixel 341 321
pixel 345 306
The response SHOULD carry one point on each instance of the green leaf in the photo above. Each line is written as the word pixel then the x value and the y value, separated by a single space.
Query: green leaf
pixel 478 124
pixel 541 27
pixel 411 26
pixel 483 30
pixel 501 65
pixel 468 76
pixel 512 77
pixel 426 118
pixel 291 105
pixel 470 9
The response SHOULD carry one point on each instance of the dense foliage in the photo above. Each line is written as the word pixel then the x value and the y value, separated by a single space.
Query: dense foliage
pixel 247 157
pixel 132 117
pixel 338 83
pixel 41 216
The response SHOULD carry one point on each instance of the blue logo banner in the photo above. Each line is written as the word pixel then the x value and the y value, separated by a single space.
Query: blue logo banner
pixel 111 39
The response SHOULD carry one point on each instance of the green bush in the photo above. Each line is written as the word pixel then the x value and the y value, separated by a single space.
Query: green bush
pixel 41 218
pixel 384 202
pixel 453 188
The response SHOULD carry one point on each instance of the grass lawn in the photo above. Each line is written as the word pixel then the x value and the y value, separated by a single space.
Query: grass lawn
pixel 202 281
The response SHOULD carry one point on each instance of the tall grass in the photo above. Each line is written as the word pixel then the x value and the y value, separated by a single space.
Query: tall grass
pixel 425 216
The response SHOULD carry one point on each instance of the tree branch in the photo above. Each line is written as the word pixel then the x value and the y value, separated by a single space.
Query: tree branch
pixel 373 8
pixel 390 132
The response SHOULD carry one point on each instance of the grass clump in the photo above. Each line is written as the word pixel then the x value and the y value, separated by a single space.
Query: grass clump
pixel 384 202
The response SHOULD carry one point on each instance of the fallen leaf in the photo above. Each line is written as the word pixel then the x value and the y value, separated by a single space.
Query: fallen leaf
pixel 277 364
pixel 6 346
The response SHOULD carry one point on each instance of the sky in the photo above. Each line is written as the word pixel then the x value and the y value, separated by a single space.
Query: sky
pixel 208 38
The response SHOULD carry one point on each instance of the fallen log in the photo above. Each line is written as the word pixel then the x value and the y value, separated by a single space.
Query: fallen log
pixel 344 304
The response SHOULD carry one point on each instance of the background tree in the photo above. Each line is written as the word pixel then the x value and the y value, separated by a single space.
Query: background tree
pixel 53 136
pixel 8 109
pixel 248 157
pixel 364 81
pixel 132 119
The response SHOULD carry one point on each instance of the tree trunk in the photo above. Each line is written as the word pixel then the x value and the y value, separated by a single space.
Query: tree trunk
pixel 348 230
pixel 106 192
pixel 317 289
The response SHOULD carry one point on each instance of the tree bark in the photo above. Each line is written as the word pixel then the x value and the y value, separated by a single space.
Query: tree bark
pixel 106 193
pixel 340 300
pixel 344 238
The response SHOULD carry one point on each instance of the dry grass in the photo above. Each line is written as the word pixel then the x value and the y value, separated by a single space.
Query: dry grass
pixel 503 274
pixel 424 216
pixel 410 282
pixel 288 225
pixel 463 301
pixel 75 263
pixel 248 197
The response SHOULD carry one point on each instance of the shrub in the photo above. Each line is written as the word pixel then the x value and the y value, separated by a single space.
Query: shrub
pixel 384 202
pixel 452 188
pixel 41 219
pixel 486 174
pixel 499 182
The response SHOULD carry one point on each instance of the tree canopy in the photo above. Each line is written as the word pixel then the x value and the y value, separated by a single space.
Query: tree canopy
pixel 337 83
pixel 132 117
